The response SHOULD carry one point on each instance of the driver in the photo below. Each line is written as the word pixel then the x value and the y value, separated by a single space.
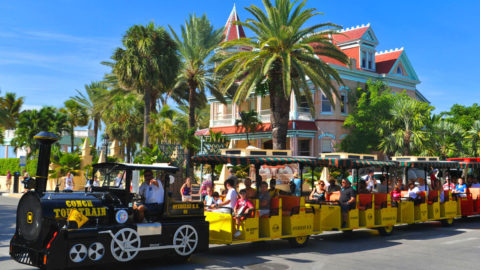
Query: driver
pixel 152 194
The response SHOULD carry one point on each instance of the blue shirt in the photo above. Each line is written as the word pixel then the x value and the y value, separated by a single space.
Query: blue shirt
pixel 461 188
pixel 297 182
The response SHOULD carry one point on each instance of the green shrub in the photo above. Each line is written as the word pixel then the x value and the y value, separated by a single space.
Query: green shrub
pixel 13 164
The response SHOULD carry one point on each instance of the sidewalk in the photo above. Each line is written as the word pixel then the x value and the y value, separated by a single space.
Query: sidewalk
pixel 12 195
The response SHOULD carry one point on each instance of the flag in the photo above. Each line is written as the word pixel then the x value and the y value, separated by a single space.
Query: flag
pixel 78 217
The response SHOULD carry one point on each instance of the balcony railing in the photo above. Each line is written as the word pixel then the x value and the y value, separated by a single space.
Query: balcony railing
pixel 264 116
pixel 304 114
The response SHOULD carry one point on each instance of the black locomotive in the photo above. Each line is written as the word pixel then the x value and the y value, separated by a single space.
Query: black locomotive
pixel 57 230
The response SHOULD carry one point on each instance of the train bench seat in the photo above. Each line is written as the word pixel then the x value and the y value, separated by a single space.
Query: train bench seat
pixel 274 208
pixel 380 200
pixel 432 197
pixel 290 205
pixel 365 201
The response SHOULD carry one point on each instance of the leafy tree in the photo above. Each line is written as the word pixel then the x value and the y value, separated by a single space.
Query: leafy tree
pixel 195 45
pixel 370 106
pixel 473 136
pixel 151 155
pixel 284 53
pixel 249 120
pixel 148 64
pixel 162 126
pixel 94 102
pixel 10 110
pixel 464 116
pixel 64 162
pixel 443 138
pixel 77 115
pixel 31 122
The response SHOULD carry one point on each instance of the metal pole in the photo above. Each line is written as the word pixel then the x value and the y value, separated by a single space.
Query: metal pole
pixel 388 177
pixel 301 179
pixel 313 180
pixel 257 178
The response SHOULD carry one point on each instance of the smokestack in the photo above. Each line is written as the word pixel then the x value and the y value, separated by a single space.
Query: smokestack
pixel 45 141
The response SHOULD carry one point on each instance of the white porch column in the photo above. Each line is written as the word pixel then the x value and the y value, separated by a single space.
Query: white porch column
pixel 293 107
pixel 294 146
pixel 234 112
pixel 259 105
pixel 6 151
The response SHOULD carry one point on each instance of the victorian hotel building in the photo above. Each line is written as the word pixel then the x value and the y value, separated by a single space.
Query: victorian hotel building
pixel 310 135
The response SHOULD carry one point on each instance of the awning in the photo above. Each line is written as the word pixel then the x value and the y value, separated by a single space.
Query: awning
pixel 356 163
pixel 469 165
pixel 428 164
pixel 269 160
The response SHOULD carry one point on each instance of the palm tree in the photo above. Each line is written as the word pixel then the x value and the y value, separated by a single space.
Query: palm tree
pixel 10 110
pixel 76 116
pixel 148 64
pixel 283 55
pixel 405 132
pixel 197 42
pixel 162 126
pixel 443 138
pixel 473 135
pixel 94 103
pixel 249 120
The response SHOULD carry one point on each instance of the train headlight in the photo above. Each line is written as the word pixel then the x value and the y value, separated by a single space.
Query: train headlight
pixel 121 216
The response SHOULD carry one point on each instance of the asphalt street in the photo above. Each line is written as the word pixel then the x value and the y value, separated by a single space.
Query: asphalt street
pixel 420 246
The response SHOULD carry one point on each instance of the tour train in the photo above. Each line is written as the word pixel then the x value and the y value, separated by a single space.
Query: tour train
pixel 57 230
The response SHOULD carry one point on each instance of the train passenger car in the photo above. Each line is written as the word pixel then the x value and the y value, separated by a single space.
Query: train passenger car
pixel 470 201
pixel 57 230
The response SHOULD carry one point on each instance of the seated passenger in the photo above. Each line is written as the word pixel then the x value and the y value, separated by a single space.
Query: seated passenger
pixel 437 187
pixel 413 192
pixel 296 182
pixel 381 188
pixel 362 187
pixel 119 180
pixel 371 181
pixel 422 186
pixel 242 208
pixel 475 183
pixel 264 200
pixel 400 184
pixel 319 192
pixel 396 193
pixel 251 192
pixel 333 186
pixel 209 201
pixel 274 192
pixel 152 194
pixel 460 188
pixel 347 200
pixel 186 190
pixel 228 204
pixel 448 185
pixel 216 198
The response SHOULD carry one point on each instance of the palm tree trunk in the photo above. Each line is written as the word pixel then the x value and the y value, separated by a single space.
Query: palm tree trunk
pixel 95 131
pixel 146 116
pixel 72 139
pixel 280 109
pixel 248 141
pixel 191 123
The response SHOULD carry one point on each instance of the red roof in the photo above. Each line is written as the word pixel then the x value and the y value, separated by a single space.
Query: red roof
pixel 233 31
pixel 385 61
pixel 266 127
pixel 347 35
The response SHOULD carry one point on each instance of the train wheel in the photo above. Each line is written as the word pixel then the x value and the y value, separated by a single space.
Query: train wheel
pixel 387 230
pixel 186 240
pixel 299 241
pixel 125 238
pixel 447 222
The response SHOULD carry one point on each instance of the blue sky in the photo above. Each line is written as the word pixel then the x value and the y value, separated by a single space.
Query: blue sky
pixel 50 48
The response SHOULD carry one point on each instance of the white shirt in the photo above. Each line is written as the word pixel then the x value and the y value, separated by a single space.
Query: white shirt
pixel 232 196
pixel 412 193
pixel 152 193
pixel 119 182
pixel 370 182
pixel 68 183
pixel 422 188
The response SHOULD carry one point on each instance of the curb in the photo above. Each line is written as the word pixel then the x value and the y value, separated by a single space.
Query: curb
pixel 12 195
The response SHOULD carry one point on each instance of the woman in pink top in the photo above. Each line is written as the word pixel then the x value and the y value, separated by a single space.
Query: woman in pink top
pixel 242 208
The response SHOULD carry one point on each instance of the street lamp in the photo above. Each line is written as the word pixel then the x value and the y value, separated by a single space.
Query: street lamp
pixel 105 144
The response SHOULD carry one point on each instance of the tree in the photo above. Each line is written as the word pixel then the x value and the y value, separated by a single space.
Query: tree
pixel 31 122
pixel 64 162
pixel 464 116
pixel 148 64
pixel 76 116
pixel 370 106
pixel 162 126
pixel 10 110
pixel 196 43
pixel 405 132
pixel 473 136
pixel 284 53
pixel 249 120
pixel 94 102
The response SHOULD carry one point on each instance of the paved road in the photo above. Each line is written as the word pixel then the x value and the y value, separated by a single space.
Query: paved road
pixel 421 246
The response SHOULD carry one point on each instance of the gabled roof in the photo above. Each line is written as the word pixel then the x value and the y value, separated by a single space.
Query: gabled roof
pixel 384 61
pixel 363 32
pixel 233 31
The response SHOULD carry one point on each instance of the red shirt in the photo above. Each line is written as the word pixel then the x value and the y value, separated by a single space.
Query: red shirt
pixel 246 204
pixel 452 187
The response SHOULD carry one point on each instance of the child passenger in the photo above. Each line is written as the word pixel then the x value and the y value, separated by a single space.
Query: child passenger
pixel 241 210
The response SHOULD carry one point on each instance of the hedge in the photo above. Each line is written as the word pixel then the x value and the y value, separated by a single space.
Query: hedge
pixel 13 164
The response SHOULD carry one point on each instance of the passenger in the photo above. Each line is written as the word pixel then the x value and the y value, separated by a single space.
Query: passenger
pixel 119 180
pixel 381 188
pixel 413 192
pixel 422 186
pixel 333 186
pixel 353 181
pixel 230 199
pixel 264 200
pixel 204 186
pixel 233 177
pixel 347 200
pixel 186 190
pixel 297 183
pixel 319 192
pixel 274 192
pixel 216 198
pixel 475 183
pixel 400 184
pixel 396 194
pixel 469 181
pixel 371 181
pixel 96 182
pixel 209 201
pixel 69 182
pixel 241 209
pixel 461 188
pixel 448 185
pixel 362 187
pixel 251 192
pixel 152 194
pixel 437 187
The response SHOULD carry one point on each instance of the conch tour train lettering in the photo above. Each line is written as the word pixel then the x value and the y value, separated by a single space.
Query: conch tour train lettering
pixel 85 207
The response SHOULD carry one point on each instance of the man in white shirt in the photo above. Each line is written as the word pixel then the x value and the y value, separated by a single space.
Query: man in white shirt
pixel 231 199
pixel 119 180
pixel 371 182
pixel 152 193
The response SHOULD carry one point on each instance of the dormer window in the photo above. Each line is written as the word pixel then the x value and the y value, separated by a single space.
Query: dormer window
pixel 368 59
pixel 364 59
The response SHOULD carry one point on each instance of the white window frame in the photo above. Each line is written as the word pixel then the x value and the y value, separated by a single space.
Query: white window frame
pixel 325 99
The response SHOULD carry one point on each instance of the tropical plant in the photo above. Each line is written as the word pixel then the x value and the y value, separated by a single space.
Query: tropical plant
pixel 77 115
pixel 94 102
pixel 162 126
pixel 148 64
pixel 64 162
pixel 151 155
pixel 405 132
pixel 284 53
pixel 444 138
pixel 249 120
pixel 473 136
pixel 10 110
pixel 464 116
pixel 195 45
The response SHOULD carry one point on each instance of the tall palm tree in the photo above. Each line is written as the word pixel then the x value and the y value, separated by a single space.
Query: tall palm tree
pixel 76 116
pixel 283 55
pixel 473 135
pixel 196 43
pixel 94 102
pixel 249 120
pixel 148 64
pixel 10 110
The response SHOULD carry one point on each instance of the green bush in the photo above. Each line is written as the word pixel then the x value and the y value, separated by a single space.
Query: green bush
pixel 13 164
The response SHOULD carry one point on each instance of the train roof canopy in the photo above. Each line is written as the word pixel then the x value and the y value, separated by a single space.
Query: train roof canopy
pixel 355 163
pixel 253 160
pixel 428 164
pixel 473 165
pixel 131 166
